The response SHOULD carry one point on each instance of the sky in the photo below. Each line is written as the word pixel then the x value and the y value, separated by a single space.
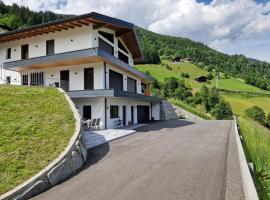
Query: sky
pixel 230 26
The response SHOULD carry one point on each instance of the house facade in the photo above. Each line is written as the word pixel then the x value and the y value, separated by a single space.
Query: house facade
pixel 92 58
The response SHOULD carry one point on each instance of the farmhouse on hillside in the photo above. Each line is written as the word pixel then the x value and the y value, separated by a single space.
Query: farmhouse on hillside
pixel 91 57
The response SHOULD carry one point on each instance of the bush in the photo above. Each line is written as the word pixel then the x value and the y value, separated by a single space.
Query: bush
pixel 256 113
pixel 210 76
pixel 185 75
pixel 267 121
pixel 222 111
pixel 168 67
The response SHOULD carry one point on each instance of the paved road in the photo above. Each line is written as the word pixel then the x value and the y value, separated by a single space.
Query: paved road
pixel 172 160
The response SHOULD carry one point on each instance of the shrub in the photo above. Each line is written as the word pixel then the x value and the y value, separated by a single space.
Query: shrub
pixel 210 76
pixel 267 121
pixel 185 75
pixel 168 67
pixel 256 113
pixel 222 110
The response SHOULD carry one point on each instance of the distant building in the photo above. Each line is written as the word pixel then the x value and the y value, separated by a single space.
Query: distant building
pixel 4 28
pixel 201 79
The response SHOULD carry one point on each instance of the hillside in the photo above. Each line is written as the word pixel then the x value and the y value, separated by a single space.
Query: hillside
pixel 155 45
pixel 36 125
pixel 159 72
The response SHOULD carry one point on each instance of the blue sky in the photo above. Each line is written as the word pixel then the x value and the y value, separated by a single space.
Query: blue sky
pixel 230 26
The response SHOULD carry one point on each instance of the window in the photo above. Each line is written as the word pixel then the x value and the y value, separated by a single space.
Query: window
pixel 24 51
pixel 25 79
pixel 108 36
pixel 131 85
pixel 8 53
pixel 36 78
pixel 104 46
pixel 115 80
pixel 121 46
pixel 8 79
pixel 114 112
pixel 87 112
pixel 122 57
pixel 49 47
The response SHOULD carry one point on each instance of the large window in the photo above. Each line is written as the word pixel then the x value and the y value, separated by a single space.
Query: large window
pixel 115 80
pixel 24 51
pixel 121 46
pixel 122 57
pixel 88 78
pixel 114 112
pixel 104 46
pixel 36 78
pixel 87 112
pixel 49 47
pixel 131 85
pixel 25 79
pixel 108 36
pixel 8 53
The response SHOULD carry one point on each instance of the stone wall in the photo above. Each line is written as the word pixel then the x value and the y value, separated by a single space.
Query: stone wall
pixel 185 114
pixel 167 111
pixel 64 166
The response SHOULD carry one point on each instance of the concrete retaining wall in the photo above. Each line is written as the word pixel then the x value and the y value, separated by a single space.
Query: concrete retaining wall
pixel 187 115
pixel 65 165
pixel 167 112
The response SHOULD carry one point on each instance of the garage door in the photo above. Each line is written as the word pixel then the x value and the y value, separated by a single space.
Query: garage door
pixel 143 114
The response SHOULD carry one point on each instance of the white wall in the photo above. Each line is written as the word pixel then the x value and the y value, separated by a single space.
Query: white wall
pixel 66 40
pixel 97 108
pixel 156 111
pixel 15 77
pixel 121 102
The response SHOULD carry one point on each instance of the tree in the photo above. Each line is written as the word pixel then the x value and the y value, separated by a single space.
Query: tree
pixel 256 113
pixel 222 111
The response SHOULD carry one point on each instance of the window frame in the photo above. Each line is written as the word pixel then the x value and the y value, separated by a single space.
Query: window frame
pixel 8 53
pixel 112 109
pixel 89 106
pixel 47 49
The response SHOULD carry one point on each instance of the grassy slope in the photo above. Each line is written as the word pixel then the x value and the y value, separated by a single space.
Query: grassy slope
pixel 36 124
pixel 160 72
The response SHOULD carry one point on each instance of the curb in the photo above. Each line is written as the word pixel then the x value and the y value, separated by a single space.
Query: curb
pixel 248 184
pixel 65 165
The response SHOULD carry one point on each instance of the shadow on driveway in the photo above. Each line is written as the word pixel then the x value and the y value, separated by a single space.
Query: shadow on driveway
pixel 170 124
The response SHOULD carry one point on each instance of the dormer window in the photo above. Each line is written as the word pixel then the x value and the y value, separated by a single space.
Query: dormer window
pixel 8 53
pixel 122 47
pixel 108 36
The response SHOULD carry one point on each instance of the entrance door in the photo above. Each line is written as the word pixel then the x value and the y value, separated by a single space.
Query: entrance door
pixel 143 114
pixel 132 114
pixel 88 79
pixel 124 116
pixel 64 80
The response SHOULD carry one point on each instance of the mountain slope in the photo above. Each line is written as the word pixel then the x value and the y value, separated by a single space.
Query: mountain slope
pixel 254 72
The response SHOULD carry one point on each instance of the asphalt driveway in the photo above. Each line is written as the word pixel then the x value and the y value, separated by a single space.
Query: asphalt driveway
pixel 170 160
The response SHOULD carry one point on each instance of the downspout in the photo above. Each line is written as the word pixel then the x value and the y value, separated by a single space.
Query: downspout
pixel 105 107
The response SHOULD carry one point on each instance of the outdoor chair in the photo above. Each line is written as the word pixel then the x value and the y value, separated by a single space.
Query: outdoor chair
pixel 93 123
pixel 97 123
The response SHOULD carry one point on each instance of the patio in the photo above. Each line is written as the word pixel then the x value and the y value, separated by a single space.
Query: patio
pixel 94 138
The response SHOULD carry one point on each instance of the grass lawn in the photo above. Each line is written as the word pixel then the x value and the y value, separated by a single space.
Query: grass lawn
pixel 240 102
pixel 36 125
pixel 256 138
pixel 239 85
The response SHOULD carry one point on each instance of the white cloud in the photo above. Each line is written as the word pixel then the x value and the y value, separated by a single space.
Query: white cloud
pixel 238 26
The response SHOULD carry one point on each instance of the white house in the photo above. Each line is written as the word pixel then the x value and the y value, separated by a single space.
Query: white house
pixel 91 57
